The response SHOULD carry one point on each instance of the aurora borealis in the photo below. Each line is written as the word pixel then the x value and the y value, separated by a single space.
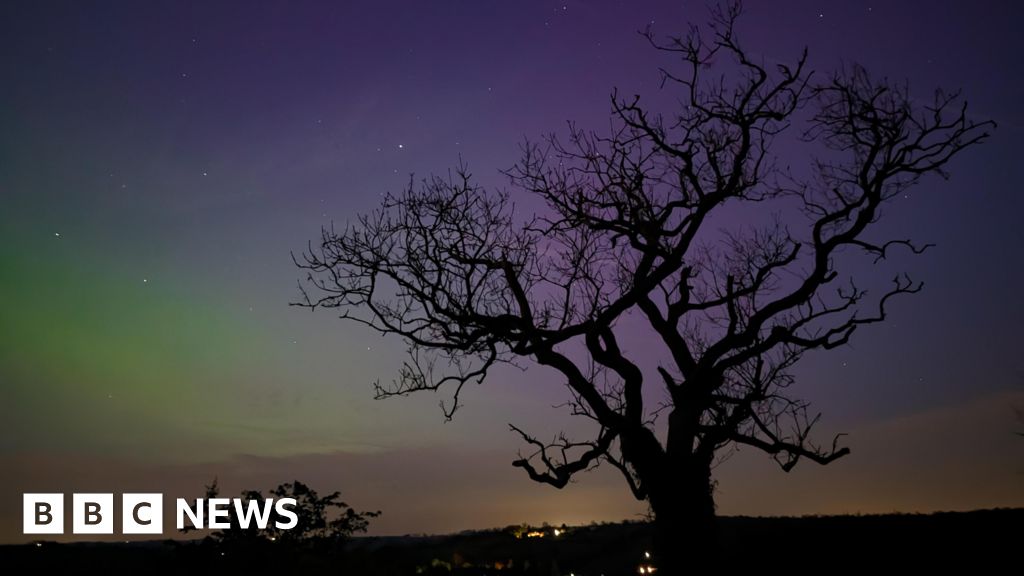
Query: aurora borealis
pixel 160 161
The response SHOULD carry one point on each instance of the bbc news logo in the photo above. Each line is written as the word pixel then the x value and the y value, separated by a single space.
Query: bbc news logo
pixel 143 513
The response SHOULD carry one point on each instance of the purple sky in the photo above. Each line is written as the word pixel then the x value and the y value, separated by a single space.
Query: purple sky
pixel 159 161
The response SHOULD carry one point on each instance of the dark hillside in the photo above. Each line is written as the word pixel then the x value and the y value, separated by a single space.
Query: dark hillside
pixel 985 538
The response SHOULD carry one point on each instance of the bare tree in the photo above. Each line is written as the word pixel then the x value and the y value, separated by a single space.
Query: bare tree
pixel 634 227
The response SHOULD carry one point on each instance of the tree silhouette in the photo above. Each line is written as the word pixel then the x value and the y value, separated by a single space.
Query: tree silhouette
pixel 324 522
pixel 686 220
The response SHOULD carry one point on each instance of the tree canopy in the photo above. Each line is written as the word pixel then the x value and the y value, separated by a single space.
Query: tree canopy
pixel 652 220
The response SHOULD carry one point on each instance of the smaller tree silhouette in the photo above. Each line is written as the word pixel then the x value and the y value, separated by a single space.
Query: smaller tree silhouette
pixel 324 522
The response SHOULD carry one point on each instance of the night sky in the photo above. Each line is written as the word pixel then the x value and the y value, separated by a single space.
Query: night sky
pixel 159 162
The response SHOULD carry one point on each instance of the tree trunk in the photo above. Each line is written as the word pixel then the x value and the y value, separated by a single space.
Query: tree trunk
pixel 685 528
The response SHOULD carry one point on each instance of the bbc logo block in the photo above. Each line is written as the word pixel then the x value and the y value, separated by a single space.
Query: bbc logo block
pixel 142 514
pixel 43 514
pixel 92 513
